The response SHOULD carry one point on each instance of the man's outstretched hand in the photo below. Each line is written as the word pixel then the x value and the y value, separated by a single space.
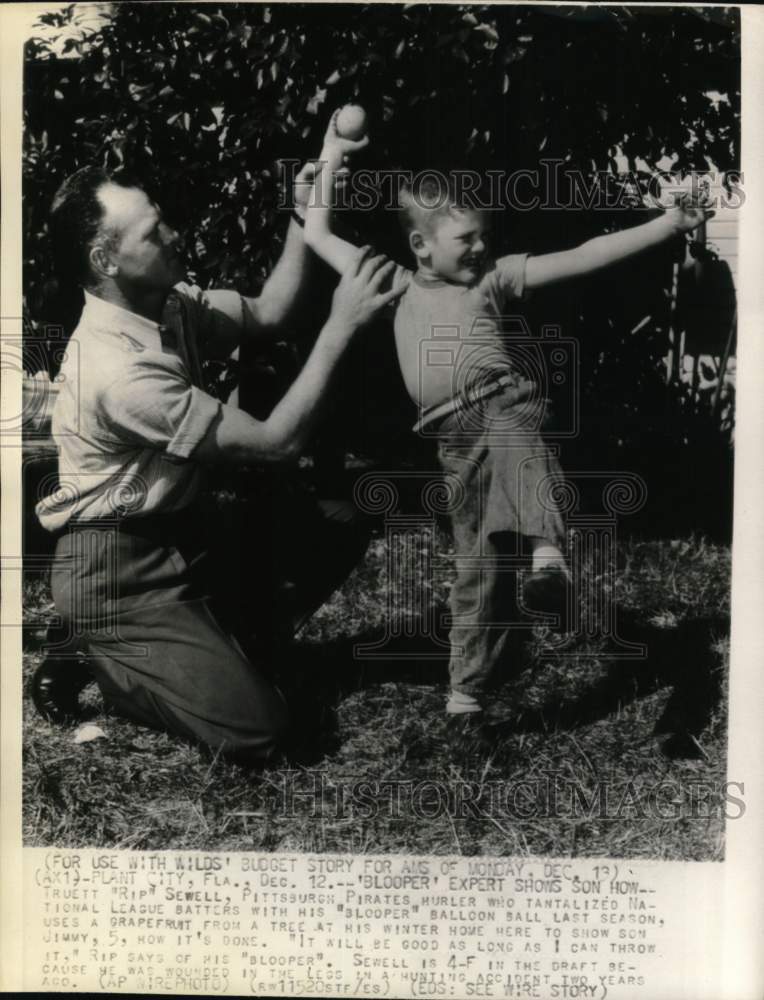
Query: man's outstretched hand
pixel 357 298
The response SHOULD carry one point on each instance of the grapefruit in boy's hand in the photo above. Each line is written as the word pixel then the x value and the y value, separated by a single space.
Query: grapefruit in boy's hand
pixel 351 122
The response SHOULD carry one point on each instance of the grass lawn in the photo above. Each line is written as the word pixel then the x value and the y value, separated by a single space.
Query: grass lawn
pixel 574 774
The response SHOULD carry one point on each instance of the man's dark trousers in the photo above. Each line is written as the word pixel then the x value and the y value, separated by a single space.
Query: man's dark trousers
pixel 182 613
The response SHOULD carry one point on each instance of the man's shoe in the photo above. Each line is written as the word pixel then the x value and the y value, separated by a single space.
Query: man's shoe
pixel 468 732
pixel 548 590
pixel 57 685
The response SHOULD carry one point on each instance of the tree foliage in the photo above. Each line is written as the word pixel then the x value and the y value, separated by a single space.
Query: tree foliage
pixel 204 101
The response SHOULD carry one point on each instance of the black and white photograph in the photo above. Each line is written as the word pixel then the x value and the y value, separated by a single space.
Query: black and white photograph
pixel 379 426
pixel 380 463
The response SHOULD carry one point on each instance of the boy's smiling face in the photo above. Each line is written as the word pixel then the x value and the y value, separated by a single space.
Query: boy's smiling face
pixel 455 249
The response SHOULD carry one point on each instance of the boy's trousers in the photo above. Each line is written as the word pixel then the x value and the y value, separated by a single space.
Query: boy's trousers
pixel 503 479
pixel 182 613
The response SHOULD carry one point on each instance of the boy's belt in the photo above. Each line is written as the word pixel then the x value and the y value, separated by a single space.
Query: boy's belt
pixel 517 392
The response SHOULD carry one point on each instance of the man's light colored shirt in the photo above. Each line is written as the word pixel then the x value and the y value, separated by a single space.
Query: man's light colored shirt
pixel 131 410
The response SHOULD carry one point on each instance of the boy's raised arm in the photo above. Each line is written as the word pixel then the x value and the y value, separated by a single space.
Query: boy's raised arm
pixel 318 234
pixel 602 251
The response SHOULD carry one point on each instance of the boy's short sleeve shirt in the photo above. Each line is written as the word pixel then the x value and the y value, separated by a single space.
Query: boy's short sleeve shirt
pixel 131 409
pixel 502 281
pixel 505 278
pixel 447 334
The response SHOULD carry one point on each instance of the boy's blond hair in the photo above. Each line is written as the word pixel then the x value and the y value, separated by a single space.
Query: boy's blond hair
pixel 429 198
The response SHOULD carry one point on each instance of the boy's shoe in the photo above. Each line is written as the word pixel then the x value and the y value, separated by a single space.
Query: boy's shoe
pixel 548 590
pixel 468 732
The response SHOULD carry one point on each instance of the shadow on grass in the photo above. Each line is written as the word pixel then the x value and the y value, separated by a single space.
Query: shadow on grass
pixel 683 657
pixel 321 676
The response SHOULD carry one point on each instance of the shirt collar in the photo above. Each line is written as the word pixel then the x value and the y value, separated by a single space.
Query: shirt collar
pixel 98 312
pixel 428 280
pixel 425 280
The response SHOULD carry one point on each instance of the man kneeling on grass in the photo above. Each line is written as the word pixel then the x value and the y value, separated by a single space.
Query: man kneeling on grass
pixel 135 430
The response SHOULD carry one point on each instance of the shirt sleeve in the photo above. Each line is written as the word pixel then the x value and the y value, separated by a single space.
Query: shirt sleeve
pixel 401 277
pixel 157 408
pixel 224 319
pixel 218 318
pixel 509 276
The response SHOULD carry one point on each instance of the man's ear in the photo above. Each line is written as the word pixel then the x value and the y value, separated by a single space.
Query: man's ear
pixel 418 244
pixel 101 262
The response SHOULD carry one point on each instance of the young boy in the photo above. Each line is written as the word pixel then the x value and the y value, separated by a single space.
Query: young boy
pixel 487 416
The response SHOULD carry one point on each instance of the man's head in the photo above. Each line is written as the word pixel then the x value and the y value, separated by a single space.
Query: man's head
pixel 446 233
pixel 106 229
